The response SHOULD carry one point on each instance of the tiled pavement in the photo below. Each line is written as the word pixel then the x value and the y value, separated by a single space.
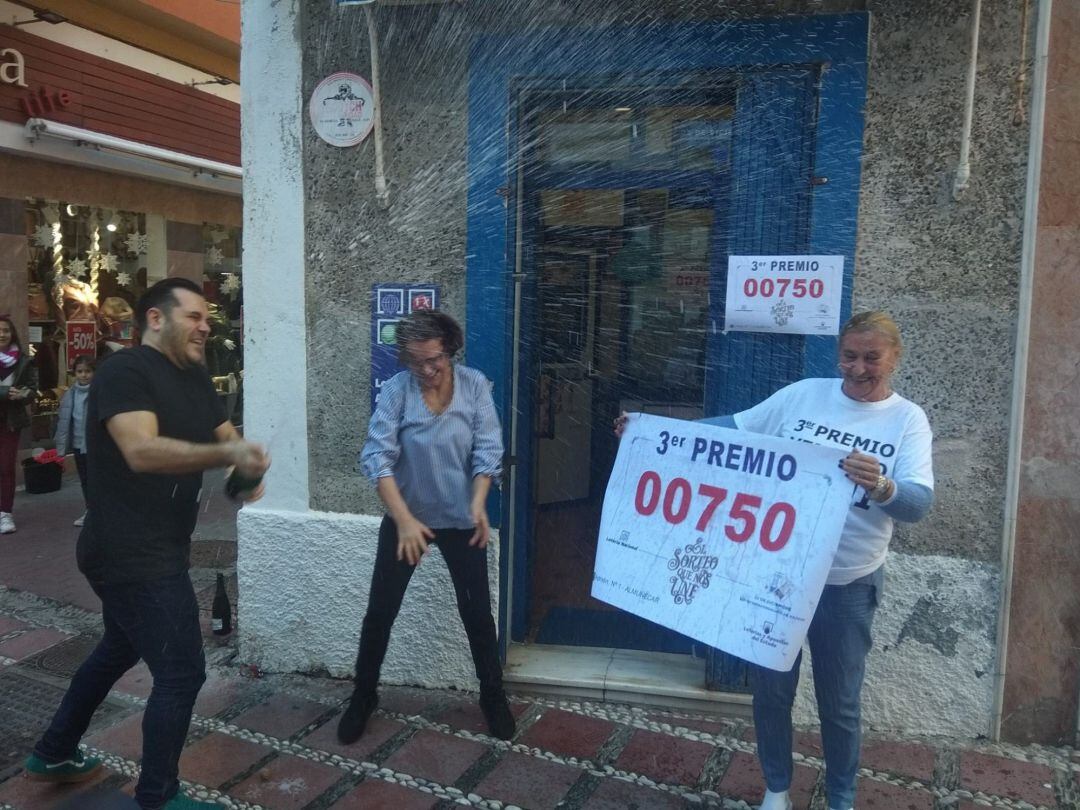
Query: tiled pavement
pixel 272 745
pixel 269 741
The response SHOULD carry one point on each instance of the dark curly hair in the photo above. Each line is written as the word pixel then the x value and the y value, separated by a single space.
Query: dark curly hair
pixel 429 324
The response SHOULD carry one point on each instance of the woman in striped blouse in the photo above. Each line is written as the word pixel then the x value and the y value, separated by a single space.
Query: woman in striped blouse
pixel 434 446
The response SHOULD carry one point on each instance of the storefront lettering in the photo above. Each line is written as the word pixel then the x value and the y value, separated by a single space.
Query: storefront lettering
pixel 37 102
pixel 44 100
pixel 13 67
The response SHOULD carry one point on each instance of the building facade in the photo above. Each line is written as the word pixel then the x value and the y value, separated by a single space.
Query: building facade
pixel 118 167
pixel 570 179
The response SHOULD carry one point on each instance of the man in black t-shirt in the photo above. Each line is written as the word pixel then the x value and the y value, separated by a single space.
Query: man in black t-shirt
pixel 154 423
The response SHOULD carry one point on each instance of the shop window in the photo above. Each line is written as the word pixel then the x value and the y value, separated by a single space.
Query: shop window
pixel 222 285
pixel 88 265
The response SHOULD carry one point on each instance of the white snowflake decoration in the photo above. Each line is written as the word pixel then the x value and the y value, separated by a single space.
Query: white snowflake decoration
pixel 231 285
pixel 43 236
pixel 214 257
pixel 217 236
pixel 123 279
pixel 109 262
pixel 77 268
pixel 137 243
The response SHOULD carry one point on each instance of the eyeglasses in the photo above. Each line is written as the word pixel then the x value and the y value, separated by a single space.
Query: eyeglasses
pixel 426 362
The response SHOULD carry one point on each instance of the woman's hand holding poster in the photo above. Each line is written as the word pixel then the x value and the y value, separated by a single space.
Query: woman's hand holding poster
pixel 722 535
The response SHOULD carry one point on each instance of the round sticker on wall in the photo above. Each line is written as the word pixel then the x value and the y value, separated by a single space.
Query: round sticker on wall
pixel 342 109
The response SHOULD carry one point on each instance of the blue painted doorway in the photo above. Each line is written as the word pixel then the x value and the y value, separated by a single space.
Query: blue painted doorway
pixel 603 205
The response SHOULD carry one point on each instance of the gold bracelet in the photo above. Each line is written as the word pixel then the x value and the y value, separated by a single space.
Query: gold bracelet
pixel 880 488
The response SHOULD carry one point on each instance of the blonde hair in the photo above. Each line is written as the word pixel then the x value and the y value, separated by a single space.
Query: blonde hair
pixel 875 321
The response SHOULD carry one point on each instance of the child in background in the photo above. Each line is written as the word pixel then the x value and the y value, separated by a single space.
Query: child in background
pixel 71 423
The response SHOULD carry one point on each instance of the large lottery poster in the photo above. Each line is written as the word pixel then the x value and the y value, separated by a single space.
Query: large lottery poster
pixel 722 535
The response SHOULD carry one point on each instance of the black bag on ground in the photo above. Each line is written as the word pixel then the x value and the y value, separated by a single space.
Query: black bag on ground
pixel 41 478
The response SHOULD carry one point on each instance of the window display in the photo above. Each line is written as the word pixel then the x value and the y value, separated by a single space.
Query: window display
pixel 87 267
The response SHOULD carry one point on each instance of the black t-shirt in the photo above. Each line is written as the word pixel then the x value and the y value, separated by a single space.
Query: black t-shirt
pixel 139 525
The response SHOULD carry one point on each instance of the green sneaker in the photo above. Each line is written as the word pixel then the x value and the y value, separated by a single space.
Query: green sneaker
pixel 76 769
pixel 181 802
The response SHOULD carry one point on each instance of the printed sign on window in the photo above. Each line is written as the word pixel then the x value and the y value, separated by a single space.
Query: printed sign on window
pixel 81 340
pixel 721 535
pixel 795 295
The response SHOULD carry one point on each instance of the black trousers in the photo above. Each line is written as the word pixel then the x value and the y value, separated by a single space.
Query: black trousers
pixel 390 579
pixel 80 466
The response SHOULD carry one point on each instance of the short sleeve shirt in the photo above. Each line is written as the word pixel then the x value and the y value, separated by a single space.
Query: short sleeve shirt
pixel 894 430
pixel 139 525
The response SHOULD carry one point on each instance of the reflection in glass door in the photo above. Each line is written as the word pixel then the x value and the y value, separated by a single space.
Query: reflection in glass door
pixel 622 240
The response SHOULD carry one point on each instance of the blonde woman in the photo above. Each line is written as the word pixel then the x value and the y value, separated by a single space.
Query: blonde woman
pixel 892 477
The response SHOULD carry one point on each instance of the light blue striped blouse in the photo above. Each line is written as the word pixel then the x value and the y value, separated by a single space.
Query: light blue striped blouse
pixel 434 458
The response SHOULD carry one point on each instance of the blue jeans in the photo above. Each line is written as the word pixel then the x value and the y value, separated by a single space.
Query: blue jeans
pixel 839 639
pixel 157 621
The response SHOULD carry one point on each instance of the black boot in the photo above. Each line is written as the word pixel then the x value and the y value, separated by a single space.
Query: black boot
pixel 374 639
pixel 485 652
pixel 497 712
pixel 355 718
pixel 475 610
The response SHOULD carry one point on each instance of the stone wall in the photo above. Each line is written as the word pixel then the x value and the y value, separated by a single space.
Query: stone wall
pixel 948 270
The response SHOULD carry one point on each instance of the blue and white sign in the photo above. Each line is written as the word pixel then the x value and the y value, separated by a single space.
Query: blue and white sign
pixel 389 304
pixel 721 535
pixel 793 295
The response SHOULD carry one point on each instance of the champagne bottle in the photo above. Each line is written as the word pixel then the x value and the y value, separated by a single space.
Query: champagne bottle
pixel 221 615
pixel 237 484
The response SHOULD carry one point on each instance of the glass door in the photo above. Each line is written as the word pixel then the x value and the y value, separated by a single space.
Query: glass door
pixel 622 243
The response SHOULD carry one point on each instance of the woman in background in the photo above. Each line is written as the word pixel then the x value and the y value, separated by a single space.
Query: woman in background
pixel 18 387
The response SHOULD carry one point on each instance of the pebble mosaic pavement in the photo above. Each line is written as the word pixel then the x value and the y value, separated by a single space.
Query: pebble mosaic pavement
pixel 270 777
